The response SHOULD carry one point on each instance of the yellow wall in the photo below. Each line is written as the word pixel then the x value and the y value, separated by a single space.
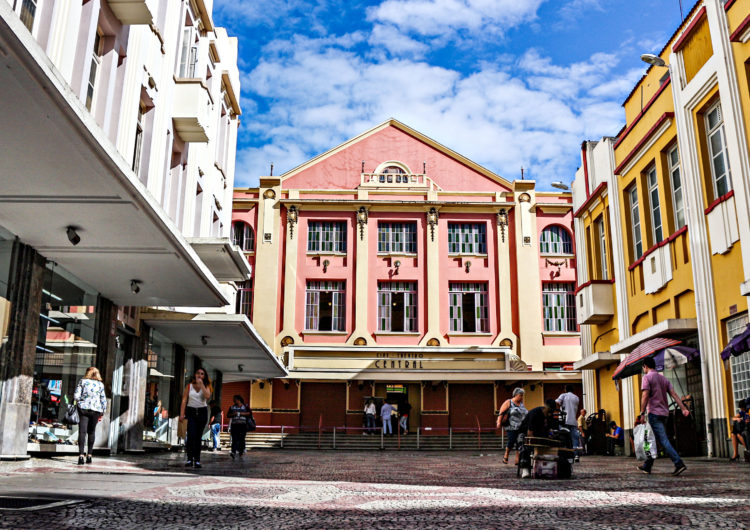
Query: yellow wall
pixel 607 395
pixel 697 50
pixel 533 398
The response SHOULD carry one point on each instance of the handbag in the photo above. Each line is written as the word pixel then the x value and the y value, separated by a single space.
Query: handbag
pixel 250 422
pixel 71 415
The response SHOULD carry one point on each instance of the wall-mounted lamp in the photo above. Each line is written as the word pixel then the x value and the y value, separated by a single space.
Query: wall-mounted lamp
pixel 262 385
pixel 432 220
pixel 135 286
pixel 362 217
pixel 73 236
pixel 502 222
pixel 286 385
pixel 326 263
pixel 396 265
pixel 240 367
pixel 468 266
pixel 204 340
pixel 292 218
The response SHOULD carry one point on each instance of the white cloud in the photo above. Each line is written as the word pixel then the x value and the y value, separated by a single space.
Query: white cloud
pixel 529 112
pixel 395 42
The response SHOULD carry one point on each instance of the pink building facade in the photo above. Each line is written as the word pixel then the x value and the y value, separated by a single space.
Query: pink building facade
pixel 392 267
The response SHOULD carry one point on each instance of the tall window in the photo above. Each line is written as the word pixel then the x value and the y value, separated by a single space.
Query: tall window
pixel 243 236
pixel 138 140
pixel 555 240
pixel 326 236
pixel 324 306
pixel 397 238
pixel 468 307
pixel 245 298
pixel 28 12
pixel 602 236
pixel 94 71
pixel 653 197
pixel 559 304
pixel 397 306
pixel 740 364
pixel 717 147
pixel 467 238
pixel 188 54
pixel 635 221
pixel 678 201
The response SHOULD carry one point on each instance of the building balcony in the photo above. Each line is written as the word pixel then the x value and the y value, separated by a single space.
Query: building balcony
pixel 132 12
pixel 594 302
pixel 192 105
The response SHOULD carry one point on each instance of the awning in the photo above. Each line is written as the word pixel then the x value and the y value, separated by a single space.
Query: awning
pixel 739 344
pixel 225 260
pixel 673 327
pixel 666 352
pixel 232 344
pixel 59 169
pixel 596 360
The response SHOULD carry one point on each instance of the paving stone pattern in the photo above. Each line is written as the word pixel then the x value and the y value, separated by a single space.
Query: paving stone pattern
pixel 327 489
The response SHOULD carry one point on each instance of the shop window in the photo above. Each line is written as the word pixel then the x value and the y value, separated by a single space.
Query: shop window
pixel 96 61
pixel 740 364
pixel 678 200
pixel 397 238
pixel 324 306
pixel 243 236
pixel 717 149
pixel 467 238
pixel 657 231
pixel 28 13
pixel 245 299
pixel 326 237
pixel 555 240
pixel 468 308
pixel 397 306
pixel 558 300
pixel 159 386
pixel 635 221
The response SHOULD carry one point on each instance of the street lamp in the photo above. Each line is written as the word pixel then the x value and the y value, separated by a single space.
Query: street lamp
pixel 560 186
pixel 653 60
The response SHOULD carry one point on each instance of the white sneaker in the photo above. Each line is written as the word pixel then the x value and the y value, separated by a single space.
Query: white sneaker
pixel 525 473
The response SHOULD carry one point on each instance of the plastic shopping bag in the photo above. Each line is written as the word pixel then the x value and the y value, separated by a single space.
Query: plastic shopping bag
pixel 645 442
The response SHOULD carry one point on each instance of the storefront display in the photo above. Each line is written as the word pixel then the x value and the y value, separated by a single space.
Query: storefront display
pixel 65 349
pixel 160 384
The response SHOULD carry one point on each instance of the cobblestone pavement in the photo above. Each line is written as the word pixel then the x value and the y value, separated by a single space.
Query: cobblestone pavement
pixel 327 489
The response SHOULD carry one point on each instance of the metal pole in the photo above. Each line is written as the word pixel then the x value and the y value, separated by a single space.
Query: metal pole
pixel 450 437
pixel 418 429
pixel 381 438
pixel 334 437
pixel 282 437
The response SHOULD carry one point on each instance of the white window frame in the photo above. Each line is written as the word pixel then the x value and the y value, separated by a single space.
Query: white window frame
pixel 602 235
pixel 312 305
pixel 722 184
pixel 138 148
pixel 555 240
pixel 397 237
pixel 559 307
pixel 326 237
pixel 245 298
pixel 188 54
pixel 635 220
pixel 652 183
pixel 467 238
pixel 385 291
pixel 678 194
pixel 243 236
pixel 32 7
pixel 740 364
pixel 456 293
pixel 93 80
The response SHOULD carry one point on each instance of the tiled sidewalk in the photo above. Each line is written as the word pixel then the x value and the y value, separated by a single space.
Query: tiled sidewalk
pixel 275 489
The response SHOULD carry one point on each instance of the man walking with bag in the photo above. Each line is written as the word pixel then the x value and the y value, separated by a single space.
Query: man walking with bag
pixel 654 390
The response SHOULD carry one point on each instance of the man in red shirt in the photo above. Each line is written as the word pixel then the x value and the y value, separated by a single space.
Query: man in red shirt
pixel 654 390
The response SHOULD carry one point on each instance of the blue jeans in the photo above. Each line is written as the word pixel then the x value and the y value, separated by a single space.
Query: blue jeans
pixel 575 435
pixel 658 426
pixel 215 429
pixel 369 423
pixel 387 428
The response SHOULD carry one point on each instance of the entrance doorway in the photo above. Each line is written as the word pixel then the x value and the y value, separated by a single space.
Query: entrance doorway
pixel 399 394
pixel 328 399
pixel 468 402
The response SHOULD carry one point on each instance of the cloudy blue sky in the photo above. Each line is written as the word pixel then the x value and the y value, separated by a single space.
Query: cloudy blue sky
pixel 507 83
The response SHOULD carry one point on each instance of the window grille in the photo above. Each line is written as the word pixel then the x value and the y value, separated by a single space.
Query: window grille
pixel 397 238
pixel 324 306
pixel 740 364
pixel 555 240
pixel 468 308
pixel 397 306
pixel 467 238
pixel 326 237
pixel 558 300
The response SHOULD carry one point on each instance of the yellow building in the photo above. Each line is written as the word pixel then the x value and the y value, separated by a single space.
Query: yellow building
pixel 661 215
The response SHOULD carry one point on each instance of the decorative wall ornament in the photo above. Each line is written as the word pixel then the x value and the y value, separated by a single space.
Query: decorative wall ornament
pixel 502 222
pixel 468 266
pixel 292 218
pixel 432 220
pixel 287 341
pixel 515 364
pixel 549 263
pixel 360 341
pixel 362 217
pixel 269 194
pixel 326 263
pixel 524 197
pixel 433 342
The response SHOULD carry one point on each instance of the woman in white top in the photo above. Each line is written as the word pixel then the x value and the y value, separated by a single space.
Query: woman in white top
pixel 194 408
pixel 370 412
pixel 92 403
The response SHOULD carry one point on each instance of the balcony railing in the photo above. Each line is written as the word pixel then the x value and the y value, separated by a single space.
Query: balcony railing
pixel 398 181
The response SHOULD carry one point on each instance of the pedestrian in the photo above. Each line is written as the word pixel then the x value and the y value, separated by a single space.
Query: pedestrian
pixel 583 431
pixel 569 405
pixel 654 389
pixel 215 423
pixel 404 410
pixel 385 415
pixel 511 415
pixel 370 412
pixel 615 438
pixel 239 413
pixel 538 424
pixel 194 408
pixel 91 401
pixel 738 430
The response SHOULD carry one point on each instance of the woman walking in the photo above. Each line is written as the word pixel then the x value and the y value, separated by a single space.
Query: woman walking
pixel 512 414
pixel 92 403
pixel 239 413
pixel 194 408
